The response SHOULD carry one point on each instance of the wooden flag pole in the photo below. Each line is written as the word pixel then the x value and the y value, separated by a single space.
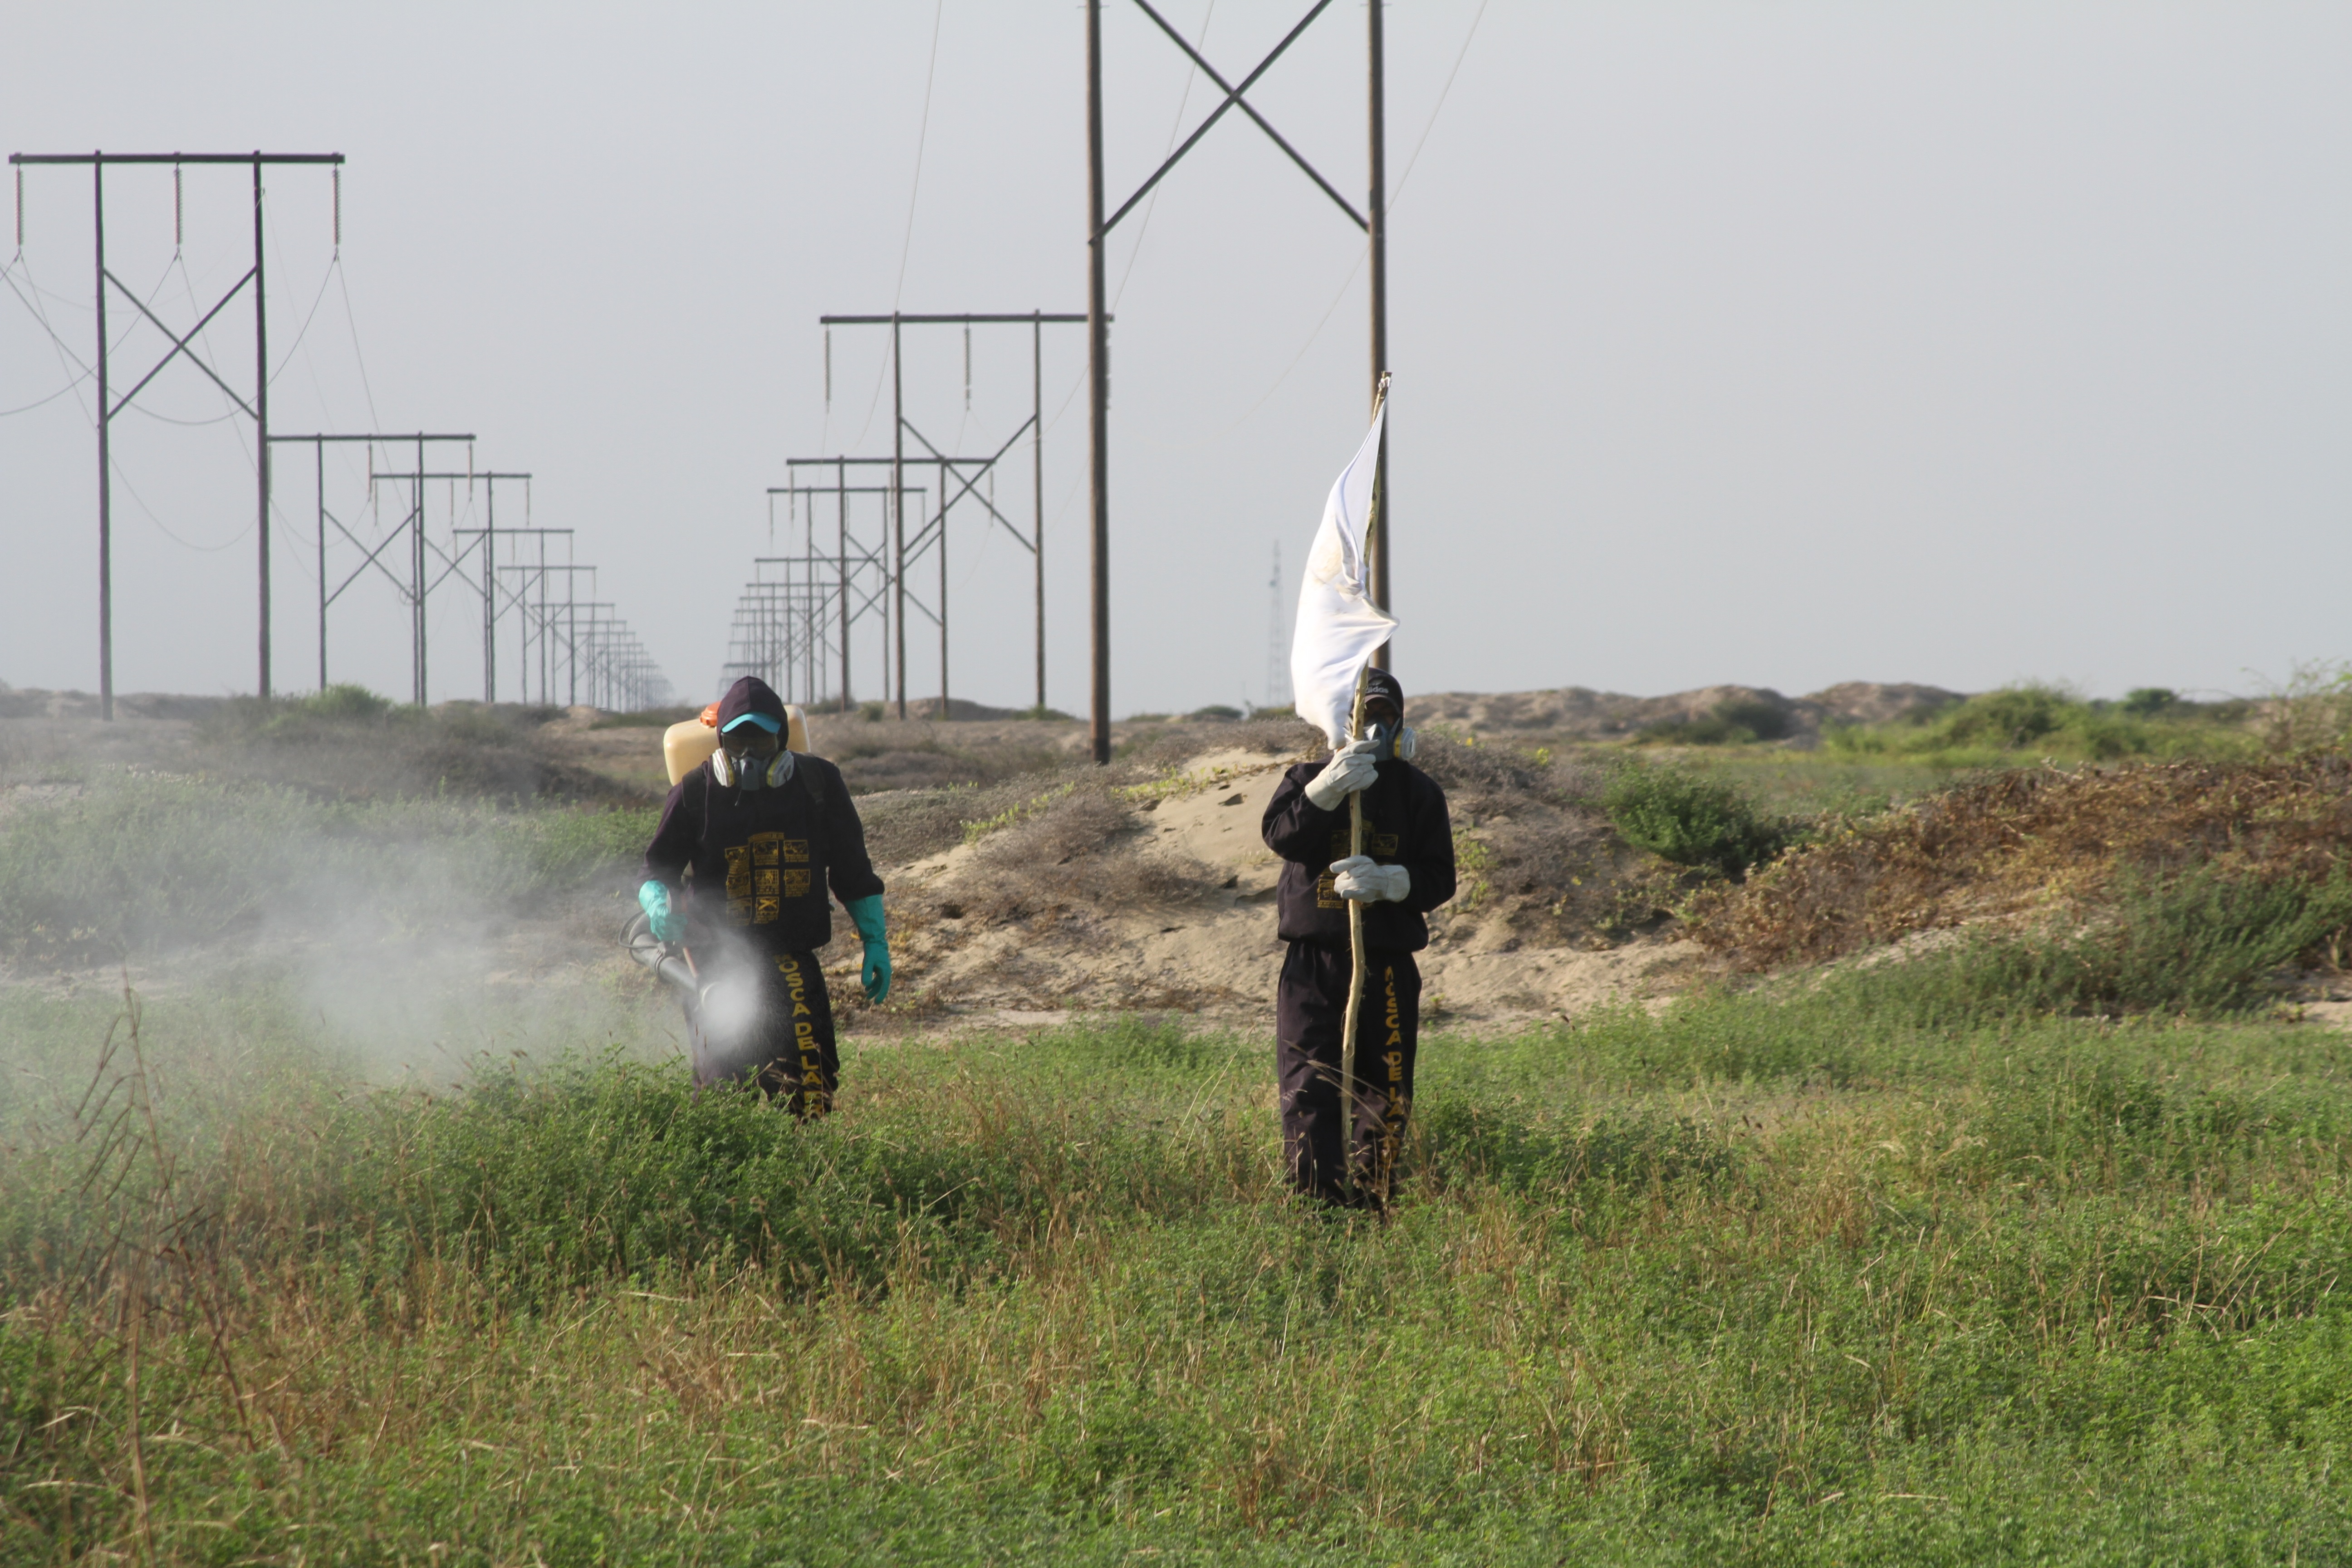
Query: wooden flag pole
pixel 1355 974
pixel 1356 846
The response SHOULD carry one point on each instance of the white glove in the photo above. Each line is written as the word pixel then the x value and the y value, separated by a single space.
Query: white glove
pixel 1350 769
pixel 1361 877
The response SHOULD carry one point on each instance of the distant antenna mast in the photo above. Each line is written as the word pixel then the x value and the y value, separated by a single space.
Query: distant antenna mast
pixel 1278 639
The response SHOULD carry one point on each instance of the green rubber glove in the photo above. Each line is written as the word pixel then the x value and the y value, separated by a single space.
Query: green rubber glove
pixel 866 914
pixel 654 899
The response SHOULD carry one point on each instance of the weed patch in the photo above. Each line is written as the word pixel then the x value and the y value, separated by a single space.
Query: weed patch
pixel 135 862
pixel 1800 1279
pixel 1690 819
pixel 2034 843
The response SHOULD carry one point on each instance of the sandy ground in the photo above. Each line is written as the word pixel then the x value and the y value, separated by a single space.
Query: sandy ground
pixel 1219 955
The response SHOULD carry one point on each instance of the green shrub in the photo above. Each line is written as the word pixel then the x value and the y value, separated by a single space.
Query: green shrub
pixel 1690 819
pixel 2201 944
pixel 346 701
pixel 1986 730
pixel 2013 717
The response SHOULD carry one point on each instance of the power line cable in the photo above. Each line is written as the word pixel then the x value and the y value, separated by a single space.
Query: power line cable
pixel 343 286
pixel 318 299
pixel 1175 129
pixel 914 189
pixel 1460 55
pixel 922 136
pixel 42 402
pixel 1353 267
pixel 83 371
pixel 133 491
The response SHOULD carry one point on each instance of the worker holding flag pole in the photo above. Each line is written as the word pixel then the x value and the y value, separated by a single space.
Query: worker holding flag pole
pixel 1355 889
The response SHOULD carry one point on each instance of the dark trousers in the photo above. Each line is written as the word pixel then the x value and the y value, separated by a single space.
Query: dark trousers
pixel 768 1023
pixel 1310 1006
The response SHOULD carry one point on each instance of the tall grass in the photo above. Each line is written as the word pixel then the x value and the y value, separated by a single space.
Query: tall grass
pixel 1805 1279
pixel 137 861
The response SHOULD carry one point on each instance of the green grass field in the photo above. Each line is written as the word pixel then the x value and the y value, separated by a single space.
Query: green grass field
pixel 1829 1278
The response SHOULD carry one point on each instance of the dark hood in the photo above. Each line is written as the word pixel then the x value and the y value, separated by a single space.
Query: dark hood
pixel 751 695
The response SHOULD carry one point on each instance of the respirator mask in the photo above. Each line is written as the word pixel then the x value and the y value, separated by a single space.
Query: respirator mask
pixel 1391 739
pixel 752 756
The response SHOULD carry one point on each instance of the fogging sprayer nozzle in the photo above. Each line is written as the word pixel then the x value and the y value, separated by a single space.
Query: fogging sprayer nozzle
pixel 664 960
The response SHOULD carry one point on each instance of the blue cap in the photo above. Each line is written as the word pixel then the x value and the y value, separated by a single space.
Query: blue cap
pixel 771 725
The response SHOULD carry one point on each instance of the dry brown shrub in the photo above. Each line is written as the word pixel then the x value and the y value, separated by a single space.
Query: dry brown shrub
pixel 1545 857
pixel 1178 741
pixel 1497 777
pixel 904 826
pixel 906 756
pixel 2035 838
pixel 1079 849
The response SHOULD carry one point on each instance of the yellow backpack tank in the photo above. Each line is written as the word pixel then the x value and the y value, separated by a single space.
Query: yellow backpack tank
pixel 686 745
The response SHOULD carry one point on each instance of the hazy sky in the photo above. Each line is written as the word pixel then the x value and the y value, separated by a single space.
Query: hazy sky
pixel 1784 344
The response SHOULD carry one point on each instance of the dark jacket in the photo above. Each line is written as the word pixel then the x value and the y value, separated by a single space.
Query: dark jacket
pixel 1405 825
pixel 761 859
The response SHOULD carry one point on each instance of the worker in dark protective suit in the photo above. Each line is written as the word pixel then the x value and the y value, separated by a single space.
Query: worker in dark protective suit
pixel 737 874
pixel 1406 870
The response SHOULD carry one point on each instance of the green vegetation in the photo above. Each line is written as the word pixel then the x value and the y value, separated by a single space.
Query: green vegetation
pixel 1992 728
pixel 339 711
pixel 1690 818
pixel 647 719
pixel 136 860
pixel 2026 1247
pixel 2202 944
pixel 1020 810
pixel 348 743
pixel 1833 1279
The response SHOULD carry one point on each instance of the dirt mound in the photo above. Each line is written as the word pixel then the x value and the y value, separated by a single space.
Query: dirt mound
pixel 1875 702
pixel 1154 889
pixel 2030 841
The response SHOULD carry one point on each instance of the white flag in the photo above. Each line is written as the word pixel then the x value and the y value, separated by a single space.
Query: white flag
pixel 1339 627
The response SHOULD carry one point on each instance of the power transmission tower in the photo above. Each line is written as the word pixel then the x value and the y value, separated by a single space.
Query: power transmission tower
pixel 108 406
pixel 556 649
pixel 856 573
pixel 453 561
pixel 319 443
pixel 829 592
pixel 1373 221
pixel 968 472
